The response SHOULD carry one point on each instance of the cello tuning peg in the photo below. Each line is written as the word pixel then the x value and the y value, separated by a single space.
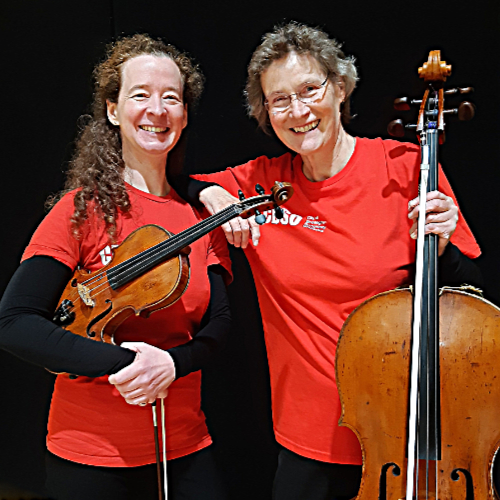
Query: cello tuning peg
pixel 241 196
pixel 463 90
pixel 259 218
pixel 466 111
pixel 396 128
pixel 259 189
pixel 278 213
pixel 404 103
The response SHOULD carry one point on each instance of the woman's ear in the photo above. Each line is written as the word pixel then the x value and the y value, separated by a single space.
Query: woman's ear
pixel 185 116
pixel 341 89
pixel 111 111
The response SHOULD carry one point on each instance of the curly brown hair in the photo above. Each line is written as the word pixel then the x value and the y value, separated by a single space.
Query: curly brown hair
pixel 302 39
pixel 97 167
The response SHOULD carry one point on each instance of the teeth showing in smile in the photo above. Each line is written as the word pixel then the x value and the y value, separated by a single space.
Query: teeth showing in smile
pixel 147 128
pixel 311 126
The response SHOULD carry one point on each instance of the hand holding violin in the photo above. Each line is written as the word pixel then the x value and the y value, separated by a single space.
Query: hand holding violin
pixel 441 218
pixel 148 377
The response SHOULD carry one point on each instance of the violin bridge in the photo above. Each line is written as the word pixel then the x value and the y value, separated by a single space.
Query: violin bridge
pixel 84 293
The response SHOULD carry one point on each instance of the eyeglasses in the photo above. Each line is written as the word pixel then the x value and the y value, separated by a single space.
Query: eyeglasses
pixel 308 93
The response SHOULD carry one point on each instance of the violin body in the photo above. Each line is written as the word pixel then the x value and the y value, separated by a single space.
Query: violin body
pixel 373 362
pixel 107 308
pixel 149 271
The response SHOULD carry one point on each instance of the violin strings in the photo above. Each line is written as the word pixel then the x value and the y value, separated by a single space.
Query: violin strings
pixel 176 239
pixel 145 259
pixel 142 260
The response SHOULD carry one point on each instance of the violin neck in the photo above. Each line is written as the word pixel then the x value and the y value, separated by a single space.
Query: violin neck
pixel 136 266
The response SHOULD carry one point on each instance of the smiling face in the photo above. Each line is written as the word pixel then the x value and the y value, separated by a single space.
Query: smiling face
pixel 150 110
pixel 307 129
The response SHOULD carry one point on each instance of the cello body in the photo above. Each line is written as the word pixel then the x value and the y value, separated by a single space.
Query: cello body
pixel 373 362
pixel 417 370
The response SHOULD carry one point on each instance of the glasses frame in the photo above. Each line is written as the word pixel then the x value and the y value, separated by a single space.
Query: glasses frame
pixel 296 94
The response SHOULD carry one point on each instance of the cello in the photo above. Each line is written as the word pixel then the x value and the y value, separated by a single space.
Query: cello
pixel 417 368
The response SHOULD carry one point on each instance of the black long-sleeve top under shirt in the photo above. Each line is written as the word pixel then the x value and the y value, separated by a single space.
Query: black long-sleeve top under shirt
pixel 27 330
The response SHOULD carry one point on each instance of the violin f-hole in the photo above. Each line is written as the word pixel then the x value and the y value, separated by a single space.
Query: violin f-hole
pixel 90 333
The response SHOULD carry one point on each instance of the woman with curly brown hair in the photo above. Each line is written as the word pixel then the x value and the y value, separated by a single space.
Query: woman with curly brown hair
pixel 345 236
pixel 100 430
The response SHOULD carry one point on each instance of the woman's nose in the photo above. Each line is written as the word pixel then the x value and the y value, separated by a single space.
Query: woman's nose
pixel 297 107
pixel 156 106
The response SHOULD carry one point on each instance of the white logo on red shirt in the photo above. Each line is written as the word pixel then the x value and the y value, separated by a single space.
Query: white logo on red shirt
pixel 315 224
pixel 294 220
pixel 288 218
pixel 107 254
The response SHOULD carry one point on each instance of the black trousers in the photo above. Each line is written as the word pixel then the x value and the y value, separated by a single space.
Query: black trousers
pixel 193 477
pixel 300 478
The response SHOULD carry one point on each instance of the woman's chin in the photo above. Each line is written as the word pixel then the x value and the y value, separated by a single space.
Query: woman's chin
pixel 306 147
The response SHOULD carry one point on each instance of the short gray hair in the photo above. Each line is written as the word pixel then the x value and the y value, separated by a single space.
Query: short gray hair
pixel 302 39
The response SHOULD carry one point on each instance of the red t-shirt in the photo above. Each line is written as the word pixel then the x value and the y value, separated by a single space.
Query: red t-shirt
pixel 341 241
pixel 89 420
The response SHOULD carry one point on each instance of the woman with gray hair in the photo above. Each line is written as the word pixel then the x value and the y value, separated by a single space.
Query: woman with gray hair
pixel 344 236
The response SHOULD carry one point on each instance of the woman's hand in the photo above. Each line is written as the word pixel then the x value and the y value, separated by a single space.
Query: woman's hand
pixel 238 231
pixel 148 377
pixel 441 219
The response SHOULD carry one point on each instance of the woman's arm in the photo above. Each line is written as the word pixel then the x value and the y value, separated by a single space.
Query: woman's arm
pixel 455 269
pixel 215 198
pixel 27 330
pixel 215 325
pixel 189 189
pixel 153 370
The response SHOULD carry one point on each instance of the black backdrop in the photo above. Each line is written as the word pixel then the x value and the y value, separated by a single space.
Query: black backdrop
pixel 48 51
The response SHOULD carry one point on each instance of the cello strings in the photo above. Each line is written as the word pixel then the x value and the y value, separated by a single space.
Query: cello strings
pixel 412 446
pixel 427 362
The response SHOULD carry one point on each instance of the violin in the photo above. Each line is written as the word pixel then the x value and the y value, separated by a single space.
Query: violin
pixel 417 368
pixel 148 272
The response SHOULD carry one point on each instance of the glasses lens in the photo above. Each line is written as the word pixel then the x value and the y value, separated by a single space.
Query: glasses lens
pixel 310 92
pixel 278 102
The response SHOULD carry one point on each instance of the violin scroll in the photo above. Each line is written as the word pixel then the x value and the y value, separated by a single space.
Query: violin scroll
pixel 281 192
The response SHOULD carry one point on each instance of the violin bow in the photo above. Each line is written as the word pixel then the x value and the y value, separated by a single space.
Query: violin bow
pixel 162 484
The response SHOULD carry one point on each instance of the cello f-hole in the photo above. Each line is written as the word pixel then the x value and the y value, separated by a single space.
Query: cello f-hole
pixel 469 483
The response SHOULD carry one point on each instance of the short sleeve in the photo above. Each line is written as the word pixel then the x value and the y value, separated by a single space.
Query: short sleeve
pixel 54 238
pixel 262 170
pixel 403 160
